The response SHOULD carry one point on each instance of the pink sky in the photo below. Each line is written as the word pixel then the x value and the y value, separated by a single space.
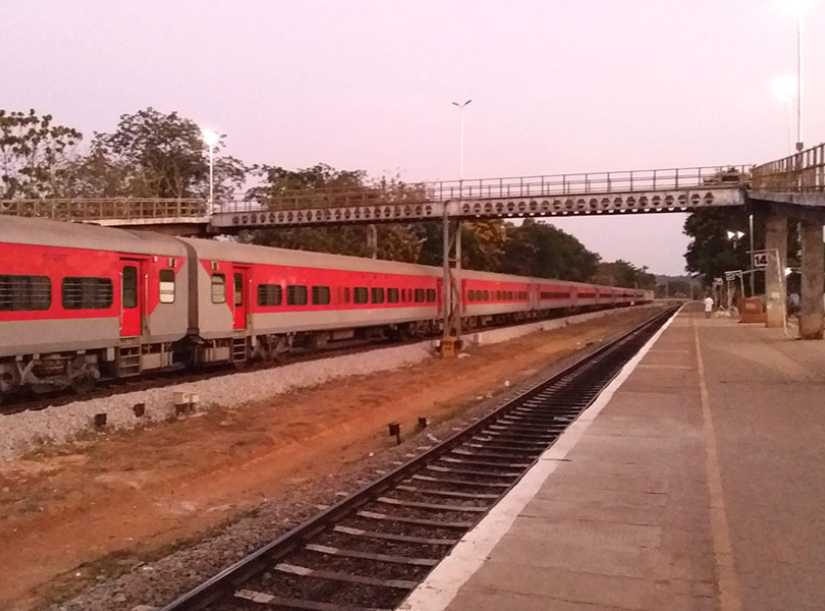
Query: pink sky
pixel 556 86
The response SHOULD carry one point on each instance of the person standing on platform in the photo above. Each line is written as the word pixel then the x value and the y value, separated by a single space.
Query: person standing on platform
pixel 708 306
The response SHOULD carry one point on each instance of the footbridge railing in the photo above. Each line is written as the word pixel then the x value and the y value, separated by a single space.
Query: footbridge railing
pixel 802 172
pixel 127 209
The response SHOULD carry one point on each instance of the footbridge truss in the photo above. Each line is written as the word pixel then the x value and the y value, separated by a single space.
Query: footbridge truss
pixel 630 192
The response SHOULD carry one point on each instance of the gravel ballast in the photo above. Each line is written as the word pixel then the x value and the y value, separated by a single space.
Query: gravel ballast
pixel 26 431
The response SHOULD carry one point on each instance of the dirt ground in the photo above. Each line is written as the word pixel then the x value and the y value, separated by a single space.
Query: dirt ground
pixel 148 490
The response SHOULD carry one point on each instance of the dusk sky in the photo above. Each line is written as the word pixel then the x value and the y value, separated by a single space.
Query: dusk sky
pixel 556 86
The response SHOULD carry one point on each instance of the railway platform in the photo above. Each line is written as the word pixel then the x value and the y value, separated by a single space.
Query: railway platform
pixel 694 483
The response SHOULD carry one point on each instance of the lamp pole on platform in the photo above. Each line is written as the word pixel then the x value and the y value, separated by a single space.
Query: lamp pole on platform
pixel 461 106
pixel 211 139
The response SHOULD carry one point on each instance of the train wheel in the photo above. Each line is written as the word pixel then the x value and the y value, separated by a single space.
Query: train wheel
pixel 83 384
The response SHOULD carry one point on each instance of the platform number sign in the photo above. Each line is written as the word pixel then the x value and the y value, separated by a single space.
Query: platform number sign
pixel 760 259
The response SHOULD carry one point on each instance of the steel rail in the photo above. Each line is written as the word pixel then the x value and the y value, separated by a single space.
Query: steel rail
pixel 231 579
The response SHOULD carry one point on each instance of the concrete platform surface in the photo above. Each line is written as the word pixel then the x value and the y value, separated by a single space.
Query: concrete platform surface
pixel 700 485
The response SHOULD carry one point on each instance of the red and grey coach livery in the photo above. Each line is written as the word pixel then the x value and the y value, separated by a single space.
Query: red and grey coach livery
pixel 80 302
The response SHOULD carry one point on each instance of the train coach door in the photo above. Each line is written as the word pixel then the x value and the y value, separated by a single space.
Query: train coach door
pixel 240 282
pixel 131 298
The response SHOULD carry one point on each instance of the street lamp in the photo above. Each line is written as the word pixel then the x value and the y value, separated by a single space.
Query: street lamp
pixel 461 106
pixel 797 9
pixel 735 236
pixel 211 139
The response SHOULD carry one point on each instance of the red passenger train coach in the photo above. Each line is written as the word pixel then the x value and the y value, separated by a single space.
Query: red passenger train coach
pixel 79 302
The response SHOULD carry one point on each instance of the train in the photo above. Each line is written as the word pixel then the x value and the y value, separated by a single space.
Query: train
pixel 80 302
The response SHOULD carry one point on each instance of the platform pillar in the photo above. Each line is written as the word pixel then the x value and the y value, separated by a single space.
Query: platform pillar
pixel 811 310
pixel 776 243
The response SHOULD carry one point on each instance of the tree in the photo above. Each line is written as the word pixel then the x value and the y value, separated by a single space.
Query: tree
pixel 539 249
pixel 396 241
pixel 625 274
pixel 152 154
pixel 34 154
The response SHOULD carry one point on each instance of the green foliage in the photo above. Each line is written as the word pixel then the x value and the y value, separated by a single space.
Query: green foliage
pixel 398 242
pixel 538 249
pixel 677 286
pixel 152 154
pixel 711 253
pixel 623 273
pixel 33 154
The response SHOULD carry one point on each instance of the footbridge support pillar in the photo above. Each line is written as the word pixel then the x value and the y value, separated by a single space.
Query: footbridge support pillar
pixel 811 310
pixel 776 245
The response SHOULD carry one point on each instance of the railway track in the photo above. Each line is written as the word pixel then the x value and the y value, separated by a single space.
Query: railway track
pixel 112 387
pixel 370 550
pixel 160 379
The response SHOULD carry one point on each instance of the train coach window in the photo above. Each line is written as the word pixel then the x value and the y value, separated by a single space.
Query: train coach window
pixel 296 294
pixel 269 294
pixel 218 288
pixel 378 295
pixel 87 293
pixel 320 295
pixel 431 295
pixel 25 293
pixel 554 295
pixel 420 296
pixel 130 287
pixel 345 295
pixel 361 294
pixel 167 286
pixel 237 293
pixel 392 295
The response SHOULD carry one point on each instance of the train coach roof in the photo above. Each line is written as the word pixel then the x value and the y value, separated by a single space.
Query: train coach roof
pixel 16 230
pixel 228 250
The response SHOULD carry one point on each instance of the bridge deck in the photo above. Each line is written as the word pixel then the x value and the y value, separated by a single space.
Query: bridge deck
pixel 637 191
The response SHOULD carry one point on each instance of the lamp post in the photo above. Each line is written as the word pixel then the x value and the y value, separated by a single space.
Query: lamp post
pixel 735 236
pixel 211 139
pixel 799 77
pixel 461 106
pixel 797 9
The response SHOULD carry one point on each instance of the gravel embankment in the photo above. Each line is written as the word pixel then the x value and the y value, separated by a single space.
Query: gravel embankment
pixel 24 431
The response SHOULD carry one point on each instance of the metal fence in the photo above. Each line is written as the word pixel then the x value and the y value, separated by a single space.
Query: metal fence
pixel 101 209
pixel 800 172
